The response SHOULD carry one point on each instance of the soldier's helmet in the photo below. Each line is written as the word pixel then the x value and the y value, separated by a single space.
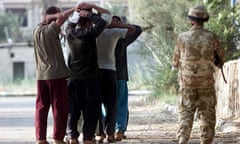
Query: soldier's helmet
pixel 198 13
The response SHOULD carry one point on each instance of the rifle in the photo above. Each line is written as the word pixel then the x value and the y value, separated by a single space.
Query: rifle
pixel 219 63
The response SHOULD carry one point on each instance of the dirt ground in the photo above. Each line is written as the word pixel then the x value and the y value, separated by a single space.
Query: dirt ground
pixel 154 123
pixel 149 123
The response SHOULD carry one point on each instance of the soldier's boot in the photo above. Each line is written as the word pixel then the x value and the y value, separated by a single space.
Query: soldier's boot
pixel 182 140
pixel 207 134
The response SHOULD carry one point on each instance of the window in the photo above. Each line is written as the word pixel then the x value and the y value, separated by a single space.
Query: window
pixel 18 71
pixel 22 15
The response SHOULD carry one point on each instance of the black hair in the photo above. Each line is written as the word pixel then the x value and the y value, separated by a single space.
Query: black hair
pixel 116 17
pixel 52 10
pixel 88 9
pixel 83 21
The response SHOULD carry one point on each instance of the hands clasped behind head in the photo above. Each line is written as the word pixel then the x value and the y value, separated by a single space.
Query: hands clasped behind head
pixel 84 13
pixel 77 14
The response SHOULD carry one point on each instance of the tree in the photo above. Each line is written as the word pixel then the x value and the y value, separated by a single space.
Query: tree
pixel 117 8
pixel 224 21
pixel 9 24
pixel 169 18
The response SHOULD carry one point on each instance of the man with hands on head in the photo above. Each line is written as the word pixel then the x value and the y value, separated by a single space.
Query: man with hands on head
pixel 106 44
pixel 122 78
pixel 51 73
pixel 83 85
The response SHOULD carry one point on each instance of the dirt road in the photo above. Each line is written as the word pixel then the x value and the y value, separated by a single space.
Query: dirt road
pixel 149 123
pixel 153 123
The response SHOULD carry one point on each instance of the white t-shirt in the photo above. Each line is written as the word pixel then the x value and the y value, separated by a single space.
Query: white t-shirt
pixel 106 44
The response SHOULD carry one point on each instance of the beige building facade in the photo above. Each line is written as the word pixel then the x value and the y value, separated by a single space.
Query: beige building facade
pixel 17 59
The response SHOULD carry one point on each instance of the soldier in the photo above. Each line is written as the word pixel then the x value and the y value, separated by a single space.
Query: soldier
pixel 195 58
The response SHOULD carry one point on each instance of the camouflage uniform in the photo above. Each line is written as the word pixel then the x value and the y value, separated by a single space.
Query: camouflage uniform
pixel 193 57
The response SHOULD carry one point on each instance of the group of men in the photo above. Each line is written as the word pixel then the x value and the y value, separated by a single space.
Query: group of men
pixel 98 75
pixel 95 74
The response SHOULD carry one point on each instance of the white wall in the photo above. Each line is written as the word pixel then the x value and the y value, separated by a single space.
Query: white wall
pixel 5 66
pixel 26 55
pixel 21 54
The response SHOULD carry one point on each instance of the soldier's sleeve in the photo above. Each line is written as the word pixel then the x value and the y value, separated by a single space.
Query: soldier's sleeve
pixel 219 51
pixel 176 55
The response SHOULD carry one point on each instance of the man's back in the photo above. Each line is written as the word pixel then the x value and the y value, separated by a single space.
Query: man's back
pixel 196 57
pixel 48 54
pixel 106 43
pixel 82 42
pixel 121 53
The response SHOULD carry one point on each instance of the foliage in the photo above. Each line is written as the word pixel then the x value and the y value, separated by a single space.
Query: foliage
pixel 10 23
pixel 139 77
pixel 224 21
pixel 159 41
pixel 117 9
pixel 169 18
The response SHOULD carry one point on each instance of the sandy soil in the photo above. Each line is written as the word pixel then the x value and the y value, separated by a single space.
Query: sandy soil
pixel 151 123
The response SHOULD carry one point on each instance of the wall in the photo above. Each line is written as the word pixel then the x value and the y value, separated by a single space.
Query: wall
pixel 228 94
pixel 5 65
pixel 25 53
pixel 21 54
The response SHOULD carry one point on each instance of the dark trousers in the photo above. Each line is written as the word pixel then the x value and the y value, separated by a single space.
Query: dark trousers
pixel 84 96
pixel 54 93
pixel 108 85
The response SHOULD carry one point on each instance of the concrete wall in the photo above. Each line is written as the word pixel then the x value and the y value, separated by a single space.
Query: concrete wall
pixel 5 66
pixel 8 57
pixel 228 94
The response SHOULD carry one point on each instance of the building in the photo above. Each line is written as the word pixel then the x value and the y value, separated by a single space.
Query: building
pixel 17 59
pixel 17 62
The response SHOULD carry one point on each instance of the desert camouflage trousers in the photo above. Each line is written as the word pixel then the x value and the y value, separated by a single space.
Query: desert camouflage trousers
pixel 202 102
